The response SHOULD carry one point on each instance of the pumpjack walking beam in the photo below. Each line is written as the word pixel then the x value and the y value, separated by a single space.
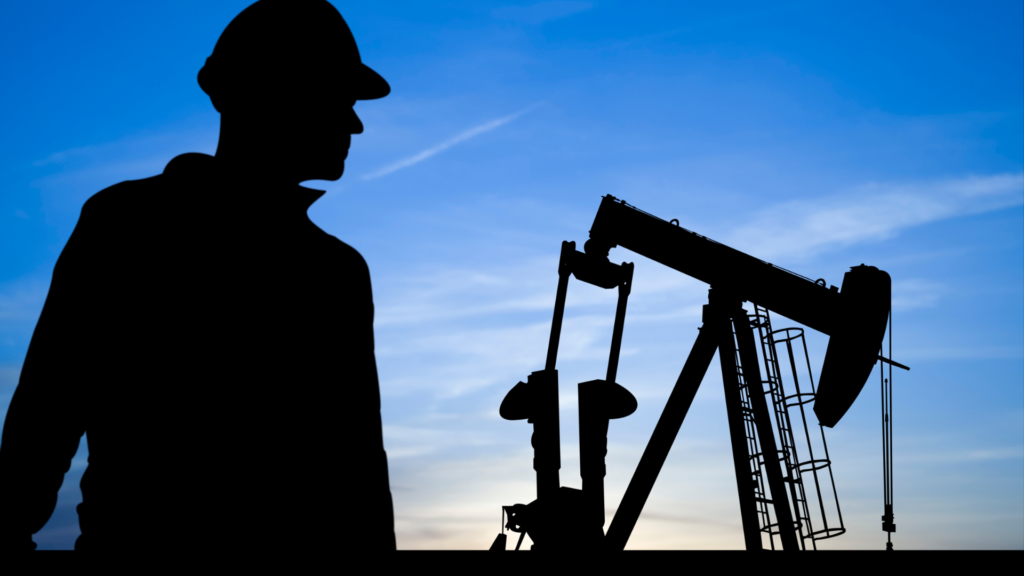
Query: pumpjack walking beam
pixel 716 333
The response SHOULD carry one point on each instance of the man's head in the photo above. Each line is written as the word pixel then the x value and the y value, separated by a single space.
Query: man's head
pixel 285 75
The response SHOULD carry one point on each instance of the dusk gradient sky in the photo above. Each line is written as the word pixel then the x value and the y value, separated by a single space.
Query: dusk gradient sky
pixel 814 135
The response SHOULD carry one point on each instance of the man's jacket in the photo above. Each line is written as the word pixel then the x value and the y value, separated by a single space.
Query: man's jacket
pixel 216 348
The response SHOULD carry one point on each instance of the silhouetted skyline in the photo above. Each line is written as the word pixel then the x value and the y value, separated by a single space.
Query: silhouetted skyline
pixel 893 139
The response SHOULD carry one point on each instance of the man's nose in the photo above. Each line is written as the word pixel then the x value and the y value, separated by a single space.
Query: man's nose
pixel 355 124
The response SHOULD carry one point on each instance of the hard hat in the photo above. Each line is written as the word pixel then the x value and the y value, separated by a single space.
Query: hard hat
pixel 275 46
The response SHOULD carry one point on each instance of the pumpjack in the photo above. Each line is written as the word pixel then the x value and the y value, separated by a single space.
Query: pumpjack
pixel 768 469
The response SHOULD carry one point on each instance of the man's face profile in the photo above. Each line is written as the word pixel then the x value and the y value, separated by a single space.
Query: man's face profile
pixel 311 134
pixel 328 133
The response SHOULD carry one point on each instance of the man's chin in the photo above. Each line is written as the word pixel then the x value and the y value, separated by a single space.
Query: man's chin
pixel 332 174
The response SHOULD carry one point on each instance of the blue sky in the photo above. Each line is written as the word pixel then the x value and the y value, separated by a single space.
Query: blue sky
pixel 816 136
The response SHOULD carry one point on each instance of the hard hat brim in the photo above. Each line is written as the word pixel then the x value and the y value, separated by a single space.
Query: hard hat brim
pixel 369 85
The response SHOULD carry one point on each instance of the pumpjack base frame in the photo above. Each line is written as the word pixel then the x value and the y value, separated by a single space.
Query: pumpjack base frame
pixel 724 316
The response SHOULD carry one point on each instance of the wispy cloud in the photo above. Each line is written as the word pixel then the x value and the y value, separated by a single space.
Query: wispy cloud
pixel 787 231
pixel 457 139
pixel 162 146
pixel 457 331
pixel 64 155
pixel 876 211
pixel 526 286
pixel 70 176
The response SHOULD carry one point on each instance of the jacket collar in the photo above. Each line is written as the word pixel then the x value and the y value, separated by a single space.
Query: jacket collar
pixel 194 166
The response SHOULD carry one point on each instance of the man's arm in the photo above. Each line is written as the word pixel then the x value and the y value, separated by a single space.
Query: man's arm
pixel 384 524
pixel 45 420
pixel 378 520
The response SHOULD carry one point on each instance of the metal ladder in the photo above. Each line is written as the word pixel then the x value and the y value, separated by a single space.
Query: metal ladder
pixel 787 443
pixel 756 458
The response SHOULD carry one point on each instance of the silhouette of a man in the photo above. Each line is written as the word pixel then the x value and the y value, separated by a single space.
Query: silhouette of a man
pixel 214 343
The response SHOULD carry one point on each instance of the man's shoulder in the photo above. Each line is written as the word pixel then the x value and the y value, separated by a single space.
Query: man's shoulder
pixel 119 209
pixel 118 196
pixel 134 193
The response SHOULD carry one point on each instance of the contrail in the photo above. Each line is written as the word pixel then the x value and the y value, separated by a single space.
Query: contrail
pixel 471 133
